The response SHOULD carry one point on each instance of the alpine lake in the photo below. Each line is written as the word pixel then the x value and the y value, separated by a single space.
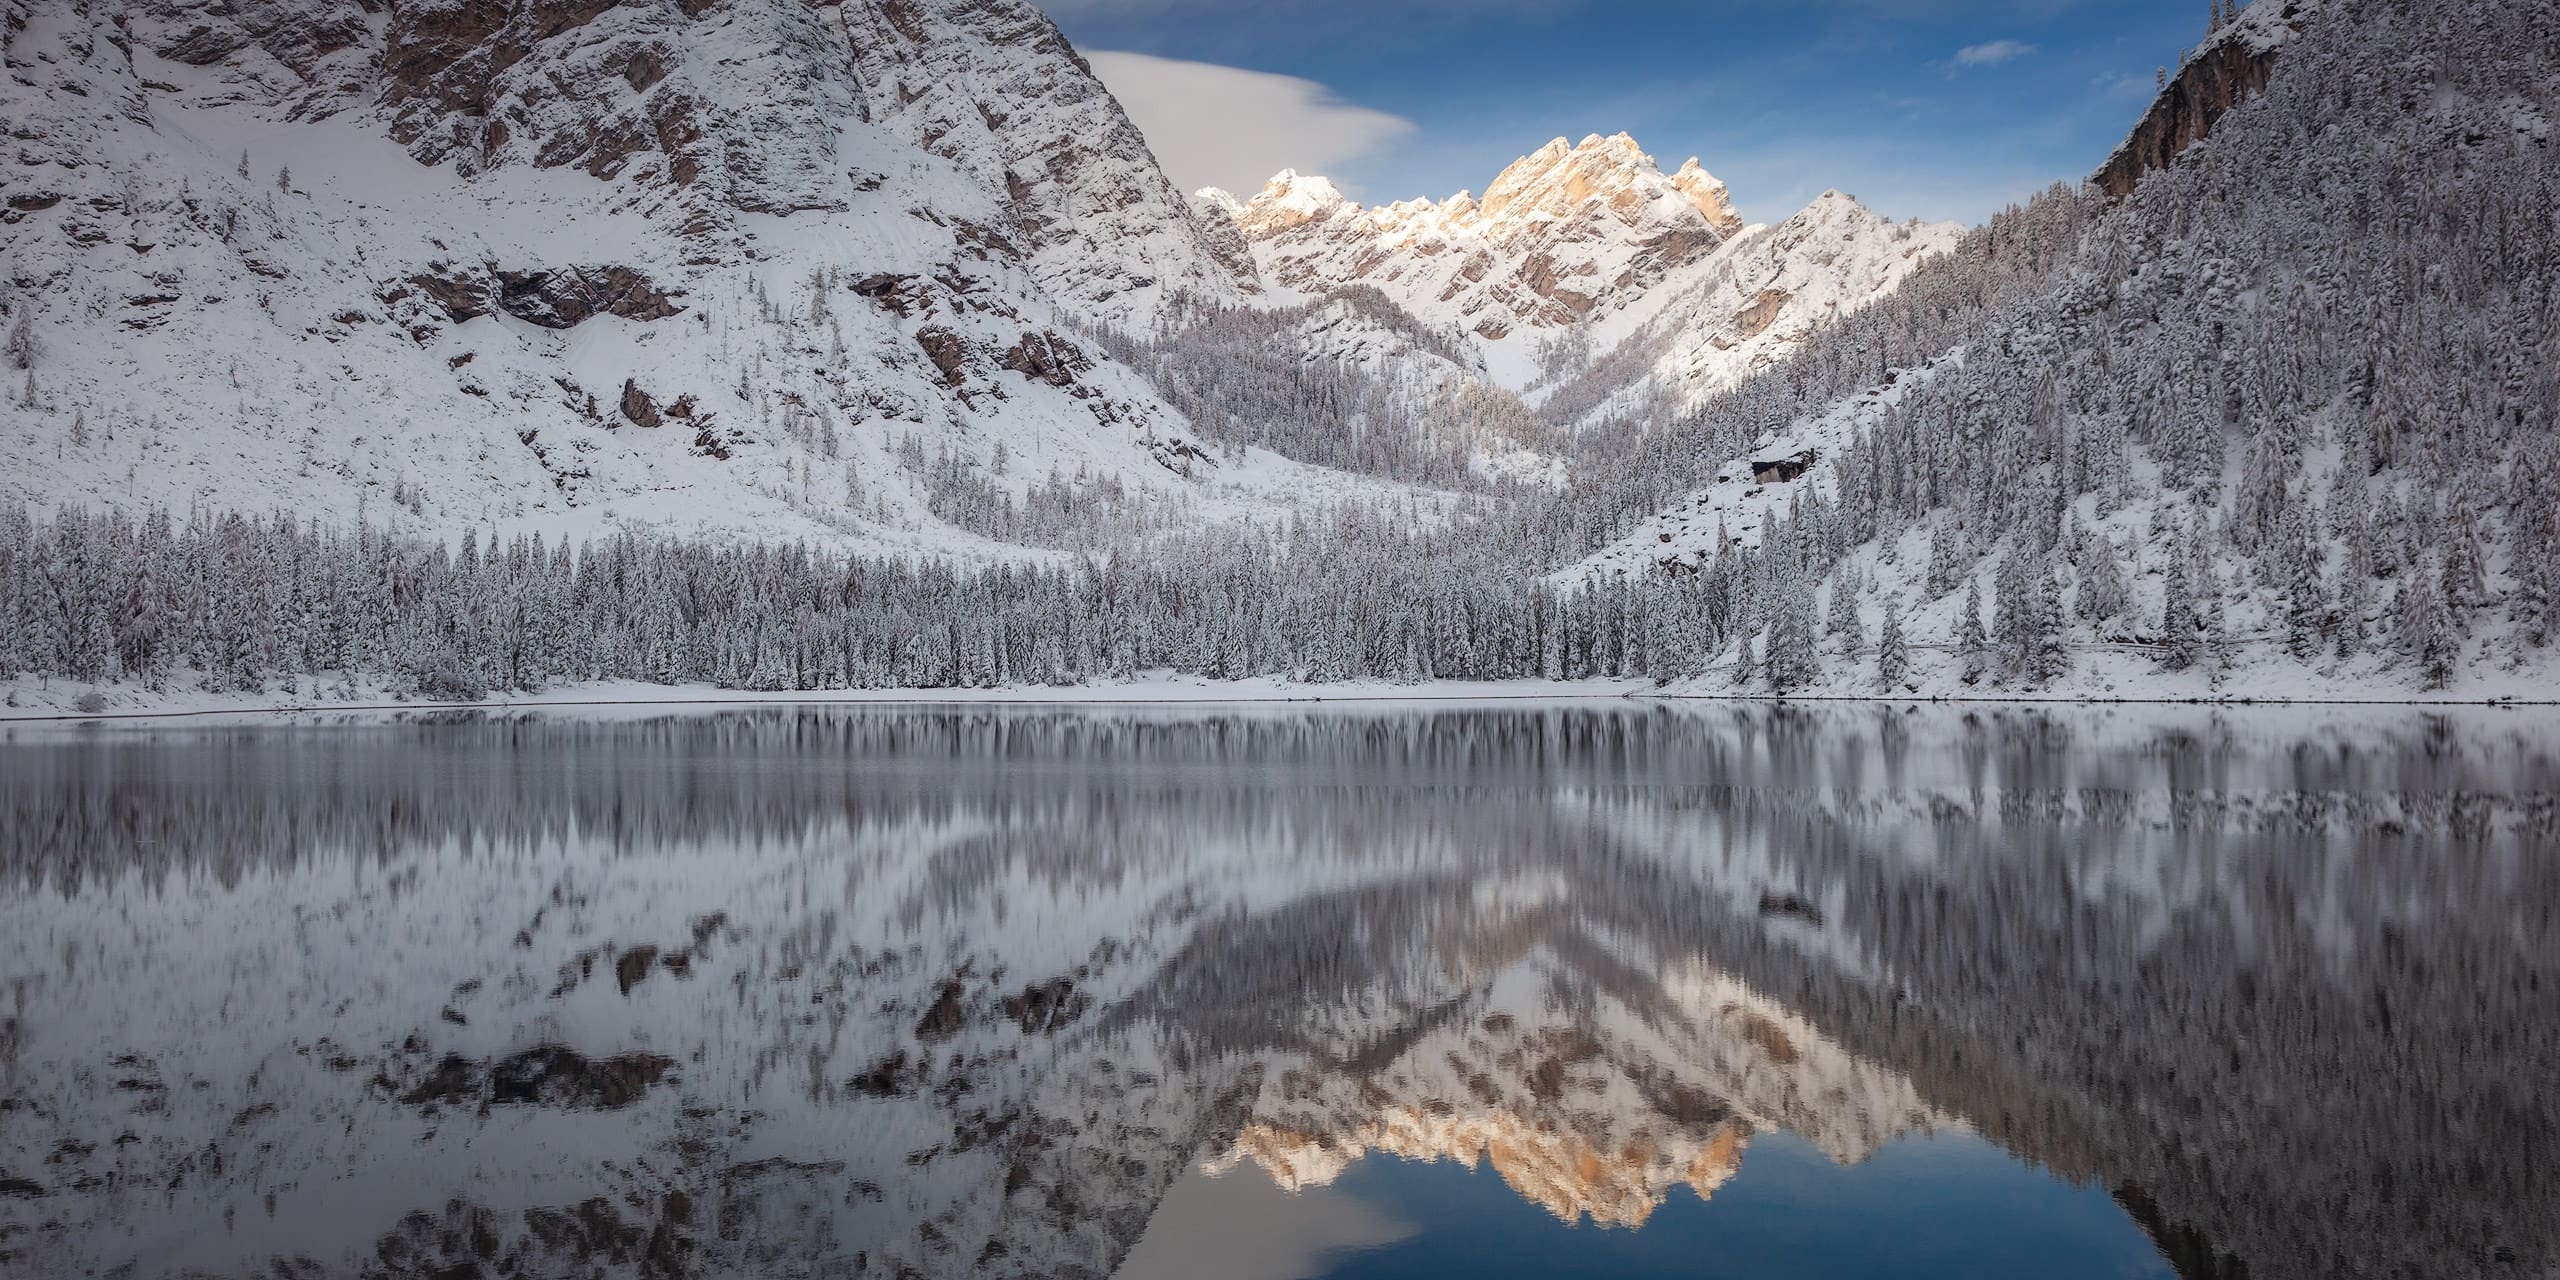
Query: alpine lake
pixel 1610 988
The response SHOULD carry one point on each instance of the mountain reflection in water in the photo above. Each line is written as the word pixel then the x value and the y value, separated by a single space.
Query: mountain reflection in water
pixel 905 992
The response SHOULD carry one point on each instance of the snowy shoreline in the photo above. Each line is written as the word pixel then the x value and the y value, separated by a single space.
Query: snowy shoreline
pixel 60 704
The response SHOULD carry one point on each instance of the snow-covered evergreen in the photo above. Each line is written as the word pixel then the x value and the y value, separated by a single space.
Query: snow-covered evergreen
pixel 2286 410
pixel 278 605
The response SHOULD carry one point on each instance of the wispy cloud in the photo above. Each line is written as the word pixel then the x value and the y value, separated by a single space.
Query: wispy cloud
pixel 1993 53
pixel 1214 126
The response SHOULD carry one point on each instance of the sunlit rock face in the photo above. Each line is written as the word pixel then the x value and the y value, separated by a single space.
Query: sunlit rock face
pixel 1562 234
pixel 864 993
pixel 1585 273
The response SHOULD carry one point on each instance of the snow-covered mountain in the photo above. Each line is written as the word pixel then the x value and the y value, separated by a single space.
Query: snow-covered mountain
pixel 665 264
pixel 888 273
pixel 1756 301
pixel 979 1042
pixel 2210 423
pixel 1566 233
pixel 1579 248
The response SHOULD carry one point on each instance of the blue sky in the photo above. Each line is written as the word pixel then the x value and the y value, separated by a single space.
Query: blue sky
pixel 1927 108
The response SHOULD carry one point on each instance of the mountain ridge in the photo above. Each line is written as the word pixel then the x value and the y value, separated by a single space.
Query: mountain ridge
pixel 1588 242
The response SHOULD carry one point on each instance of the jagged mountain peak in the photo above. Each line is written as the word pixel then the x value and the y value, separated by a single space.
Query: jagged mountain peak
pixel 1708 195
pixel 1591 238
pixel 1568 232
pixel 1290 200
pixel 1558 179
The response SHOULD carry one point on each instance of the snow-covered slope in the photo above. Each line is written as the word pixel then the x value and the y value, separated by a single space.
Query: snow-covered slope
pixel 1578 248
pixel 1750 494
pixel 2212 426
pixel 1755 301
pixel 662 263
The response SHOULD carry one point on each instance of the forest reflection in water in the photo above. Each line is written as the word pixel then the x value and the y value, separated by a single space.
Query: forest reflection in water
pixel 976 991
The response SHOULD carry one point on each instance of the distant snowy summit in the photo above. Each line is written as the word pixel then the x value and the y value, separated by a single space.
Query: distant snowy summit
pixel 1594 244
pixel 1565 233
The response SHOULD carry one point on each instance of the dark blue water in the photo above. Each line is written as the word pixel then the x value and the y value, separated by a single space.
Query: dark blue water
pixel 1950 1207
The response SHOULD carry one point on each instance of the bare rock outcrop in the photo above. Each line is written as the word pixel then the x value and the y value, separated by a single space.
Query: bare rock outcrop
pixel 2230 70
pixel 1046 357
pixel 562 299
pixel 638 406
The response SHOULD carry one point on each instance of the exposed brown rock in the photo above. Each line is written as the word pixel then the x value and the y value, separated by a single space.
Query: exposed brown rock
pixel 1046 357
pixel 2215 81
pixel 643 412
pixel 1754 320
pixel 894 294
pixel 890 1077
pixel 1047 1006
pixel 463 295
pixel 1180 456
pixel 561 299
pixel 948 353
pixel 945 1017
pixel 631 968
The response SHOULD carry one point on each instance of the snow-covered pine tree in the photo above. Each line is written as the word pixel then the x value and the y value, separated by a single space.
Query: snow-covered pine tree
pixel 1795 654
pixel 2048 649
pixel 2306 597
pixel 1944 567
pixel 2216 642
pixel 22 348
pixel 2103 593
pixel 1893 655
pixel 1973 645
pixel 2013 612
pixel 1843 623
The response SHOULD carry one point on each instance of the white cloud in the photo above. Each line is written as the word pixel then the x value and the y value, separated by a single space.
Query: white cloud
pixel 1213 126
pixel 1992 54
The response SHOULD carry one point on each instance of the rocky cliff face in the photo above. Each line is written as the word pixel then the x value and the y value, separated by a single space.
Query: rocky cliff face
pixel 397 260
pixel 1596 1117
pixel 719 108
pixel 2229 70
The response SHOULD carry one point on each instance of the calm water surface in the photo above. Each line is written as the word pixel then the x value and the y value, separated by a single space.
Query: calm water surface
pixel 1285 992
